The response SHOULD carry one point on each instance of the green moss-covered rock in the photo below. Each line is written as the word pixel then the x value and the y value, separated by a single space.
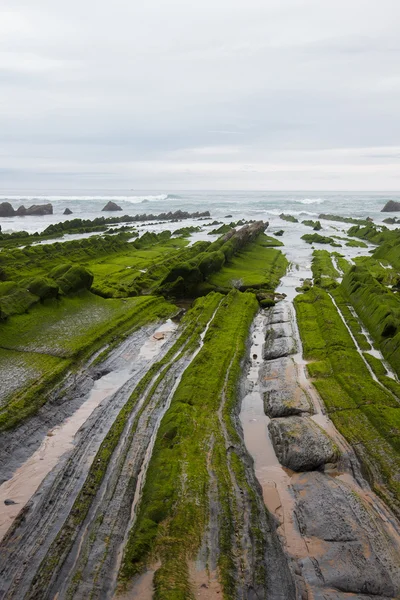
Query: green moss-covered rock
pixel 43 287
pixel 16 302
pixel 212 263
pixel 76 278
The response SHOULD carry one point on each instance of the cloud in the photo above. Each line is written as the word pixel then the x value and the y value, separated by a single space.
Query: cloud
pixel 200 95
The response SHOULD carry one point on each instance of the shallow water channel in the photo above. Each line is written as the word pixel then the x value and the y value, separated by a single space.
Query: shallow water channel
pixel 279 484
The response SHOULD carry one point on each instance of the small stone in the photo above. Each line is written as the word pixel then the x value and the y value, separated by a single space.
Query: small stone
pixel 8 502
pixel 159 335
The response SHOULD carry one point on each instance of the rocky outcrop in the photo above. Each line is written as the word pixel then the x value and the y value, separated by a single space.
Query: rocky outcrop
pixel 6 210
pixel 279 340
pixel 282 395
pixel 111 206
pixel 349 551
pixel 300 444
pixel 40 209
pixel 391 206
pixel 67 211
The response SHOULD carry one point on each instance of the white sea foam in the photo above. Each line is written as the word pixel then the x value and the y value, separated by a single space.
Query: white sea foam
pixel 310 201
pixel 294 213
pixel 133 199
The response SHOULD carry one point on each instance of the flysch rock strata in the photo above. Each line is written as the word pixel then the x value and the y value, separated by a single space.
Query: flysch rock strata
pixel 350 554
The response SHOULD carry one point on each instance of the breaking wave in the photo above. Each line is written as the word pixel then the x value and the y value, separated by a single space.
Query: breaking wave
pixel 310 201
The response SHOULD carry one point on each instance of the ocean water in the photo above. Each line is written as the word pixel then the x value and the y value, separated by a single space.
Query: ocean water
pixel 250 205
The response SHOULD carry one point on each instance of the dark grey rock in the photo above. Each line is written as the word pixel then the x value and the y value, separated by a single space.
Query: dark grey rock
pixel 40 209
pixel 111 206
pixel 391 206
pixel 6 210
pixel 284 403
pixel 278 330
pixel 276 348
pixel 280 313
pixel 300 444
pixel 281 392
pixel 67 211
pixel 9 502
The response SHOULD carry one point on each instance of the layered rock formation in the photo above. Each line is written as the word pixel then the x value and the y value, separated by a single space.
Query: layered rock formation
pixel 347 545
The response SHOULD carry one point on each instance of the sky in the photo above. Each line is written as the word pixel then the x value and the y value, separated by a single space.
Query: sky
pixel 212 94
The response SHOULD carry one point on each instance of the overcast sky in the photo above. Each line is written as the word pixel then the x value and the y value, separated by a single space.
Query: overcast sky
pixel 206 94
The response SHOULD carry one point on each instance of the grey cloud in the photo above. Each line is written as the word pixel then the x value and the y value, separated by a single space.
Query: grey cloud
pixel 101 90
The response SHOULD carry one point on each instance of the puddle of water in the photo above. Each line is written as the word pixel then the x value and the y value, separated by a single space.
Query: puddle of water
pixel 28 477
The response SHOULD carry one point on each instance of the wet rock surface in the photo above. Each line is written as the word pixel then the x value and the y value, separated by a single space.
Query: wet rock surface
pixel 350 553
pixel 300 444
pixel 348 544
pixel 31 534
pixel 280 313
pixel 279 340
pixel 283 346
pixel 281 393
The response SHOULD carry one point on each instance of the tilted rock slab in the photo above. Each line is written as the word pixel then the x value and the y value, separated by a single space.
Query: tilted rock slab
pixel 350 554
pixel 279 339
pixel 300 444
pixel 281 392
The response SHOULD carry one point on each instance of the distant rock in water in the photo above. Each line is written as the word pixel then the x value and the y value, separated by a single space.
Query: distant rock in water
pixel 145 201
pixel 369 219
pixel 67 211
pixel 40 209
pixel 391 220
pixel 391 206
pixel 111 206
pixel 6 210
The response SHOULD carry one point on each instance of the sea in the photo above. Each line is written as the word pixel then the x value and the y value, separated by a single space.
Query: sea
pixel 257 205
